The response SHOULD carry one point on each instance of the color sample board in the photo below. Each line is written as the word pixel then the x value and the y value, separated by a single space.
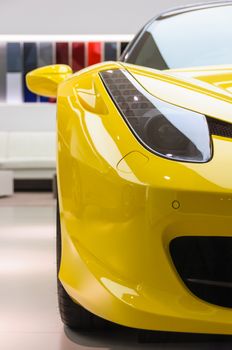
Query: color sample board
pixel 14 73
pixel 94 53
pixel 78 56
pixel 19 58
pixel 29 63
pixel 62 53
pixel 45 58
pixel 3 67
pixel 111 51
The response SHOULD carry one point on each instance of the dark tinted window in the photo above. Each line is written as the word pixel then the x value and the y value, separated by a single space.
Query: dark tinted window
pixel 197 38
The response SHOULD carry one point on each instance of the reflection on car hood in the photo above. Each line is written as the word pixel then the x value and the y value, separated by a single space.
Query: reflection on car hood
pixel 218 76
pixel 207 90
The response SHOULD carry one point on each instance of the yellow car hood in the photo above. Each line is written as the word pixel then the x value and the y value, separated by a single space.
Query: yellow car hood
pixel 207 90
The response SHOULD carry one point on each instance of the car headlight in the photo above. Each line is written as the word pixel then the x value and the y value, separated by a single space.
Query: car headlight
pixel 165 129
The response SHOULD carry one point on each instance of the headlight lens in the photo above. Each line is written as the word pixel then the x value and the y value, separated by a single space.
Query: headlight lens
pixel 170 131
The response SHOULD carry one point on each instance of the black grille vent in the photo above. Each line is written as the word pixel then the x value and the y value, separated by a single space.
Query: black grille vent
pixel 219 128
pixel 204 264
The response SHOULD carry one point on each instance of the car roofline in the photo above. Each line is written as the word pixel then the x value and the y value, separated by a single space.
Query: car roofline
pixel 189 8
pixel 169 13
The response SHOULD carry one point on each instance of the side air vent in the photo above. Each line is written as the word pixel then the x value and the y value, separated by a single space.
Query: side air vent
pixel 219 127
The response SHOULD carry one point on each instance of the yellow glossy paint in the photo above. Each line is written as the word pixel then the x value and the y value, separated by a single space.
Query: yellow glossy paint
pixel 116 201
pixel 44 81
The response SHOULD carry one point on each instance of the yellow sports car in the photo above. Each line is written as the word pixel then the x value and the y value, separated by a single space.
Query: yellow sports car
pixel 144 172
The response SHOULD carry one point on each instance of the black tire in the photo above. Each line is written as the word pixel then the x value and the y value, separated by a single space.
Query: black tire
pixel 74 315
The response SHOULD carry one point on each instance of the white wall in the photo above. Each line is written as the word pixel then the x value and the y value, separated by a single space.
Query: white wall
pixel 80 16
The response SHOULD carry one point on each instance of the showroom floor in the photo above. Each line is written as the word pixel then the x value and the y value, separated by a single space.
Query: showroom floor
pixel 29 317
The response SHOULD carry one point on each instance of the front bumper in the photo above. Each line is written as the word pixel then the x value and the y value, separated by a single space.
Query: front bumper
pixel 116 260
pixel 165 303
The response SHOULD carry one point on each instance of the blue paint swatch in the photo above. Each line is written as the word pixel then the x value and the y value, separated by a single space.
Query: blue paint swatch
pixel 29 63
pixel 14 58
pixel 110 51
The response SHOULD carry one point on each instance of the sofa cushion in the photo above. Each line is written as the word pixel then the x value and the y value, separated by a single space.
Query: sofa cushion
pixel 3 145
pixel 34 146
pixel 28 163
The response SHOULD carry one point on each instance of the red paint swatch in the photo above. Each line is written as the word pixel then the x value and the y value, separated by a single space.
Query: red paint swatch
pixel 62 56
pixel 52 99
pixel 78 56
pixel 94 53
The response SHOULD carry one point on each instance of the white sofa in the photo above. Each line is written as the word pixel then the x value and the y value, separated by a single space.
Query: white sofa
pixel 6 183
pixel 29 154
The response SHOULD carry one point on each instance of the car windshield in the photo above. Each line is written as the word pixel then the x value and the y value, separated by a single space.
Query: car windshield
pixel 196 38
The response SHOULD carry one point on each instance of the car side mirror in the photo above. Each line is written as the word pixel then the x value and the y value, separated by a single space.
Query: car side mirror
pixel 44 81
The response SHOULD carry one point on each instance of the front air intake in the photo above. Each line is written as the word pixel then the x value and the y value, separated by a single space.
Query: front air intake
pixel 204 264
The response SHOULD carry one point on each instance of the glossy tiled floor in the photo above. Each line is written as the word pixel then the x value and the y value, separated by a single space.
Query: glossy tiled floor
pixel 29 317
